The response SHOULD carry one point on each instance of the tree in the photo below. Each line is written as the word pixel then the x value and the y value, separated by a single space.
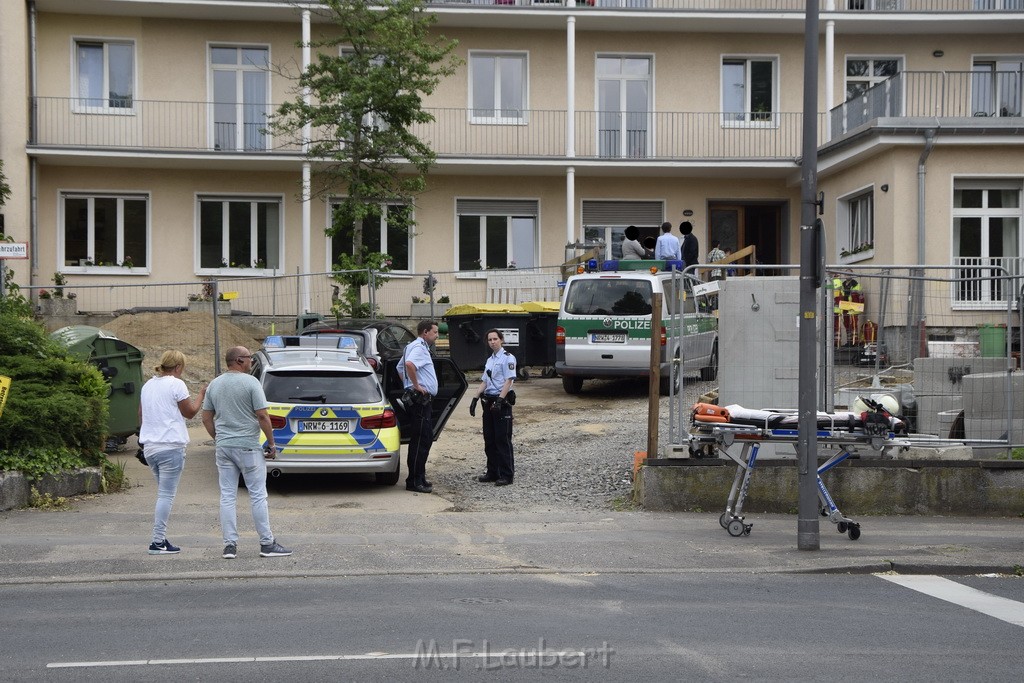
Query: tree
pixel 5 189
pixel 367 81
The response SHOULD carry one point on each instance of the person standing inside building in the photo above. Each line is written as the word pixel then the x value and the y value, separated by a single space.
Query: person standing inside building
pixel 495 385
pixel 164 406
pixel 631 247
pixel 420 380
pixel 234 413
pixel 716 254
pixel 690 247
pixel 667 246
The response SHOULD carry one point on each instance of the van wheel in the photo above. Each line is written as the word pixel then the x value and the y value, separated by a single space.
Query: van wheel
pixel 710 373
pixel 572 385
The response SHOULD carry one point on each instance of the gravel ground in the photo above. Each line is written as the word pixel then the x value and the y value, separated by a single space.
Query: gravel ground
pixel 572 452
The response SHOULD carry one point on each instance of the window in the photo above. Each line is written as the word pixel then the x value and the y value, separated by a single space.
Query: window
pixel 623 105
pixel 497 87
pixel 607 220
pixel 239 233
pixel 496 234
pixel 240 81
pixel 858 219
pixel 387 233
pixel 749 89
pixel 986 233
pixel 105 230
pixel 104 74
pixel 996 87
pixel 864 72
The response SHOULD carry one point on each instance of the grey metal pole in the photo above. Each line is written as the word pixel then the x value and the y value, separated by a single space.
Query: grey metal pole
pixel 216 329
pixel 808 535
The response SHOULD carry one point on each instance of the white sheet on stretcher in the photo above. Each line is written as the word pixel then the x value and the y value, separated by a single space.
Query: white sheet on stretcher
pixel 773 419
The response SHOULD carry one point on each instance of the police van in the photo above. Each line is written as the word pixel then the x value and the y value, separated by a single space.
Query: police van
pixel 604 325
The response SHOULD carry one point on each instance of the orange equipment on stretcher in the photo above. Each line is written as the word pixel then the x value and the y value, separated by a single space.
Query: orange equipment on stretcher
pixel 709 412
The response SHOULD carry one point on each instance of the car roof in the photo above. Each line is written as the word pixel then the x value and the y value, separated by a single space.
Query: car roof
pixel 306 358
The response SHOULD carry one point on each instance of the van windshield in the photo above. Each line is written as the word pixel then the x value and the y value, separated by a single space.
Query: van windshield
pixel 609 297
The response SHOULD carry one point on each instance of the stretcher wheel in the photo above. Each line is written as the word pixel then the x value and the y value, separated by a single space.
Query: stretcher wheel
pixel 724 519
pixel 854 532
pixel 747 528
pixel 841 527
pixel 737 528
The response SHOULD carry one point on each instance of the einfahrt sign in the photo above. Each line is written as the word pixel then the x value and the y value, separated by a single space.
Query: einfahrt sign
pixel 13 250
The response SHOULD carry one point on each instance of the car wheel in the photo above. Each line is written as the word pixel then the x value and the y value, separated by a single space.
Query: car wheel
pixel 710 373
pixel 388 478
pixel 572 385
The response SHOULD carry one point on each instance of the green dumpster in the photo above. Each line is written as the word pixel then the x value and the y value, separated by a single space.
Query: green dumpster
pixel 121 365
pixel 992 340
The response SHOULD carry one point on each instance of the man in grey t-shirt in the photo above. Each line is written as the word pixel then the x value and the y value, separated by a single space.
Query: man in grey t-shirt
pixel 234 413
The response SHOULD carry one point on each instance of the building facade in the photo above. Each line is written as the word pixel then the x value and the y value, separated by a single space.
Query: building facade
pixel 134 134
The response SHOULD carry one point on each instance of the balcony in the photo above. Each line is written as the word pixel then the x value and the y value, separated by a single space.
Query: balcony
pixel 979 99
pixel 167 127
pixel 981 282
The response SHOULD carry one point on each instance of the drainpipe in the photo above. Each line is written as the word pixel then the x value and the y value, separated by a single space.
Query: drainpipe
pixel 915 311
pixel 830 70
pixel 33 175
pixel 570 130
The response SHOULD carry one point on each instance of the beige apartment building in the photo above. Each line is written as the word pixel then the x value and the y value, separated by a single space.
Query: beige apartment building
pixel 133 134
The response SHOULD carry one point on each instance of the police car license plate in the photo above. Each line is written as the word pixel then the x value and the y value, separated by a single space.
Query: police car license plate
pixel 341 426
pixel 608 337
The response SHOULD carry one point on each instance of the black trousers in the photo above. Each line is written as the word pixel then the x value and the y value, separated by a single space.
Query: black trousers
pixel 421 438
pixel 497 426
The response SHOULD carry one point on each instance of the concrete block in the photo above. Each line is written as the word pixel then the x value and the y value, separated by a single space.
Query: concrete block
pixel 945 375
pixel 985 394
pixel 15 489
pixel 928 409
pixel 993 429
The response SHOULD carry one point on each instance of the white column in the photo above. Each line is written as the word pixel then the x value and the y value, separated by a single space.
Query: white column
pixel 830 71
pixel 570 205
pixel 307 132
pixel 570 87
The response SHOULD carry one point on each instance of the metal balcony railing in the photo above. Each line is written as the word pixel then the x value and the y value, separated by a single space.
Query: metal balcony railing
pixel 935 94
pixel 748 6
pixel 167 126
pixel 980 281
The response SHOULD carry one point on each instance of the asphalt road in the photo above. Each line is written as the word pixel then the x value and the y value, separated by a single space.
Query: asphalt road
pixel 585 626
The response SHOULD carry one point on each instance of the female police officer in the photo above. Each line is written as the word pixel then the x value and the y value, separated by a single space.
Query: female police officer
pixel 495 385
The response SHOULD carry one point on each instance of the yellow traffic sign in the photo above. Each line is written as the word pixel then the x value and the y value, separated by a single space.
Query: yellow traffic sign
pixel 5 388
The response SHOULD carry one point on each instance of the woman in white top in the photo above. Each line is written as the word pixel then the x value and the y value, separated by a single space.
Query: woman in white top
pixel 631 247
pixel 165 405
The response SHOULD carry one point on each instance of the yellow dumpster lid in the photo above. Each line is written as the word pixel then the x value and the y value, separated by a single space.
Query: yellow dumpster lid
pixel 475 309
pixel 541 306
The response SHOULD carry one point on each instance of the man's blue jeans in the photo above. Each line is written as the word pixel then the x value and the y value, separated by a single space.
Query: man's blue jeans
pixel 248 462
pixel 166 463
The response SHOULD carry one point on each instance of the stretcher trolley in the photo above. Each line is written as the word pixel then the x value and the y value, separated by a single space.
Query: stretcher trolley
pixel 734 428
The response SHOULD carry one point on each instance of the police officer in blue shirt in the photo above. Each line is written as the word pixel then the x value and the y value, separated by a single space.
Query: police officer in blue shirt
pixel 493 393
pixel 417 370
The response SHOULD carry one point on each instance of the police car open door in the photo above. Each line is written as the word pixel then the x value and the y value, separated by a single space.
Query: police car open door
pixel 451 385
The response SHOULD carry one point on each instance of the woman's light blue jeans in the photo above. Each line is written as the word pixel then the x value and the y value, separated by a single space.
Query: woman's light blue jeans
pixel 166 462
pixel 248 462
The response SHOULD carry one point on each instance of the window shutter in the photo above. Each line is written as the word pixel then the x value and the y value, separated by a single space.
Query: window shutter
pixel 623 213
pixel 496 207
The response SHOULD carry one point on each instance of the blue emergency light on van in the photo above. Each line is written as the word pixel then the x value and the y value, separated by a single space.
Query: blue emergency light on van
pixel 274 341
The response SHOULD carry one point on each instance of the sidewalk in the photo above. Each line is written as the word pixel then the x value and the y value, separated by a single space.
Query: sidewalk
pixel 344 527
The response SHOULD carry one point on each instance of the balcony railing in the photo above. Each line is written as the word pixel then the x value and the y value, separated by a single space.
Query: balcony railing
pixel 983 282
pixel 935 94
pixel 166 126
pixel 748 6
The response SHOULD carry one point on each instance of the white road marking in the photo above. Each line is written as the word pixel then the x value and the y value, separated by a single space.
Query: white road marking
pixel 1007 610
pixel 305 658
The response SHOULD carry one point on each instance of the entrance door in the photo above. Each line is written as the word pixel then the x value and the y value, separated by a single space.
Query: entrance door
pixel 741 225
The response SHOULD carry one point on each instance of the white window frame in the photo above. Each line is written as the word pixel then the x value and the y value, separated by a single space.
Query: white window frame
pixel 772 118
pixel 116 268
pixel 383 236
pixel 871 80
pixel 226 200
pixel 624 151
pixel 268 142
pixel 984 214
pixel 81 103
pixel 497 118
pixel 509 242
pixel 851 207
pixel 995 83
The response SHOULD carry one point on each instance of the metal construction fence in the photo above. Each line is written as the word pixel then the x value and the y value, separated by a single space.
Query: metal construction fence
pixel 943 341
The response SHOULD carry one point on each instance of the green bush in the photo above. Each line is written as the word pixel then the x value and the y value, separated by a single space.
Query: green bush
pixel 56 413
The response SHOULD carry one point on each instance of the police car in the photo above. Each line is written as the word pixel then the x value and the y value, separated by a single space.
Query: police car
pixel 330 412
pixel 604 325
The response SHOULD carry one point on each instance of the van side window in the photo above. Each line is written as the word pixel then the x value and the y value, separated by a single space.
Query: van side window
pixel 672 297
pixel 609 297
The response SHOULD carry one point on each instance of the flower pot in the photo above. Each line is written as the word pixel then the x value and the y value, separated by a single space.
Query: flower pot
pixel 223 307
pixel 59 307
pixel 422 311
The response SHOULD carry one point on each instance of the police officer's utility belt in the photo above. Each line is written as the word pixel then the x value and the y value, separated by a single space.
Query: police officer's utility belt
pixel 488 399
